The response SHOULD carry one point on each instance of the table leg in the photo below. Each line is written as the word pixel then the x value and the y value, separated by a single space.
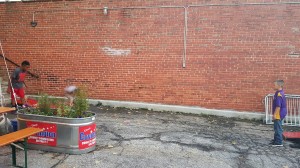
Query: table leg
pixel 25 150
pixel 13 153
pixel 5 120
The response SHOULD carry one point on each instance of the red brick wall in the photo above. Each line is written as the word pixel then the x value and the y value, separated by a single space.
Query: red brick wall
pixel 233 53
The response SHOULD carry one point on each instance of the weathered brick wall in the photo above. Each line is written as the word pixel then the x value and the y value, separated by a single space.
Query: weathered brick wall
pixel 234 53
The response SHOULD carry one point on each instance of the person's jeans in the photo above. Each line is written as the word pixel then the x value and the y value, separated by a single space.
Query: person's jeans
pixel 278 131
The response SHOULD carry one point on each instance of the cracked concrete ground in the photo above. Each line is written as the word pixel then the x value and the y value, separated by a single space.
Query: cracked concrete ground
pixel 141 138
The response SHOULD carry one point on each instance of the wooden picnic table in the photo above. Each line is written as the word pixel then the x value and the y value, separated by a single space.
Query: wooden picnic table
pixel 6 109
pixel 20 136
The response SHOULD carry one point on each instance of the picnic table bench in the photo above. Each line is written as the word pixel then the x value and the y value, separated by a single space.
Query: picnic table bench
pixel 21 137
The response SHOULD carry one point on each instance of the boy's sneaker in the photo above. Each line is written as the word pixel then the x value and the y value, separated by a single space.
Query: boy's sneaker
pixel 276 145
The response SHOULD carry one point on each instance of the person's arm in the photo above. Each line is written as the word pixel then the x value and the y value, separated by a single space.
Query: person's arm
pixel 276 115
pixel 278 103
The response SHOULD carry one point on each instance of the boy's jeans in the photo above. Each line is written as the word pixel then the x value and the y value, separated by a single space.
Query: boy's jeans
pixel 278 131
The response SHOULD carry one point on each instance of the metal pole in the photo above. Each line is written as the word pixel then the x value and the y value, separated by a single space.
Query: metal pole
pixel 295 111
pixel 9 78
pixel 185 35
pixel 267 109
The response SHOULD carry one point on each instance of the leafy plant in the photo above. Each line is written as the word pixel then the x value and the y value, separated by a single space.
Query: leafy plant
pixel 80 105
pixel 59 107
pixel 44 105
pixel 63 110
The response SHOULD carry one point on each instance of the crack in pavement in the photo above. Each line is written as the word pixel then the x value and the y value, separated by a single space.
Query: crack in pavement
pixel 262 161
pixel 187 123
pixel 121 151
pixel 242 158
pixel 290 159
pixel 105 129
pixel 197 146
pixel 119 139
pixel 131 139
pixel 244 153
pixel 60 161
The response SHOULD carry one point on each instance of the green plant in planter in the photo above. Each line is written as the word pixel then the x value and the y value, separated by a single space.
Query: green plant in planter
pixel 80 104
pixel 44 105
pixel 63 110
pixel 59 107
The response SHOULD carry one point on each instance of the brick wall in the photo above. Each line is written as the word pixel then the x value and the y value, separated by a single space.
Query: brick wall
pixel 234 53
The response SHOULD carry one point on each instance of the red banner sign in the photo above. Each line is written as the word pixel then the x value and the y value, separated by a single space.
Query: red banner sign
pixel 47 137
pixel 87 136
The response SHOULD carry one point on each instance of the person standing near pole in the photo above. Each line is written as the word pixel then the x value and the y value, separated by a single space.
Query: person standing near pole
pixel 18 83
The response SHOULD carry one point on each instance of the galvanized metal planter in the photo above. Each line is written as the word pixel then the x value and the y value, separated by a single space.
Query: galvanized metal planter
pixel 63 135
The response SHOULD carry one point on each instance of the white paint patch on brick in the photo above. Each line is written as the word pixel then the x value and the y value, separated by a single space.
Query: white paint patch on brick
pixel 116 52
pixel 294 55
pixel 292 47
pixel 295 29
